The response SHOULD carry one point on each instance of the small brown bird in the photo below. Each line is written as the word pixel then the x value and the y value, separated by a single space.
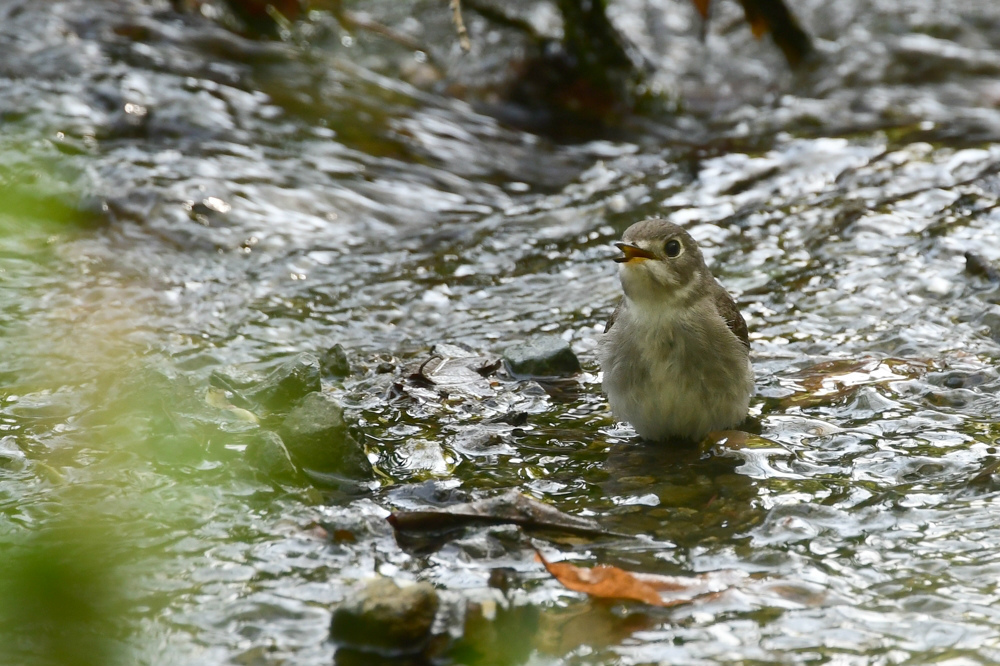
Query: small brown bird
pixel 675 353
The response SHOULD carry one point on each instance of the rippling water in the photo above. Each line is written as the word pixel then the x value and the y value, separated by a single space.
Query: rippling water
pixel 178 200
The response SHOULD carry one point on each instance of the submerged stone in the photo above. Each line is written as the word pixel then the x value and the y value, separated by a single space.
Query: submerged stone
pixel 979 265
pixel 11 455
pixel 334 362
pixel 288 383
pixel 318 439
pixel 542 356
pixel 267 454
pixel 386 618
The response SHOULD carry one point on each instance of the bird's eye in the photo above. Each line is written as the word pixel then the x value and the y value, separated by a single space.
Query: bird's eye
pixel 672 247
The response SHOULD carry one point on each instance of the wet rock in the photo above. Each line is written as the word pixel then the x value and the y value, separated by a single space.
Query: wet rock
pixel 991 320
pixel 543 356
pixel 334 362
pixel 267 454
pixel 978 265
pixel 958 379
pixel 318 439
pixel 159 402
pixel 288 383
pixel 383 617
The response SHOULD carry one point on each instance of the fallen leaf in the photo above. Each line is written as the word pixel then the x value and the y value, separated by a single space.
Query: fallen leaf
pixel 514 418
pixel 317 531
pixel 419 378
pixel 453 370
pixel 608 582
pixel 985 476
pixel 682 589
pixel 489 369
pixel 510 507
pixel 602 581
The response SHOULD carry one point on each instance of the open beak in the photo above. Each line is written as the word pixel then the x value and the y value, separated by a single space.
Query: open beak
pixel 631 252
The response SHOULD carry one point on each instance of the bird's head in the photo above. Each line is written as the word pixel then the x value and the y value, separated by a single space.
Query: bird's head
pixel 660 264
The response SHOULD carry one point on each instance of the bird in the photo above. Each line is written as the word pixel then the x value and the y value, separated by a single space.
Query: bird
pixel 675 354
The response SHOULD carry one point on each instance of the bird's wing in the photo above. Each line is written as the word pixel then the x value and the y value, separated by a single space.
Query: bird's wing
pixel 614 315
pixel 726 307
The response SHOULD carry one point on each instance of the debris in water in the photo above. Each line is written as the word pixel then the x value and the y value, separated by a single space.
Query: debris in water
pixel 607 582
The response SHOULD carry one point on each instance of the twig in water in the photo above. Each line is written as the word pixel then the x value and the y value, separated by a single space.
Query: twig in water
pixel 463 34
pixel 350 20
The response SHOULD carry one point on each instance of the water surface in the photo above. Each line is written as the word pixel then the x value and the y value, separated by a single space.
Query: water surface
pixel 179 200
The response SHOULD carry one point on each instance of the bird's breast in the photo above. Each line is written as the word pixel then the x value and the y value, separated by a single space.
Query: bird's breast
pixel 672 375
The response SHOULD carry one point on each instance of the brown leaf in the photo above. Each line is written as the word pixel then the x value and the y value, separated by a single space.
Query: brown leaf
pixel 603 582
pixel 607 582
pixel 317 531
pixel 985 475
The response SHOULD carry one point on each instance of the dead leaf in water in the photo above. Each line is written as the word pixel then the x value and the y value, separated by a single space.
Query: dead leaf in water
pixel 608 582
pixel 510 507
pixel 419 378
pixel 489 369
pixel 602 581
pixel 453 370
pixel 986 477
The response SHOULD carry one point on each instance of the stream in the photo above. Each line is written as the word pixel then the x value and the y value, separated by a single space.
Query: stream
pixel 178 201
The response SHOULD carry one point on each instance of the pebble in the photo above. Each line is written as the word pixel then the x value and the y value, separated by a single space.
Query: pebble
pixel 318 439
pixel 288 383
pixel 543 356
pixel 385 617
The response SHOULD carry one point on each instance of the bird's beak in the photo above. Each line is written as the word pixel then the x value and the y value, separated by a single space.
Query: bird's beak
pixel 632 253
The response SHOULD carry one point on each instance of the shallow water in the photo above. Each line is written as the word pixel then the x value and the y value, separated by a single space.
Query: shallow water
pixel 178 200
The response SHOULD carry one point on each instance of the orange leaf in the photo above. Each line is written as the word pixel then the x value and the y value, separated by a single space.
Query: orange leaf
pixel 702 7
pixel 603 582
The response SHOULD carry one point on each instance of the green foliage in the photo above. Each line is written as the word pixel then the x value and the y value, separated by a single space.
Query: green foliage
pixel 59 599
pixel 42 191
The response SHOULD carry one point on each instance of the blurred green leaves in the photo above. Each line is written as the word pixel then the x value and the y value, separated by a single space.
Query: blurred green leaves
pixel 61 598
pixel 43 190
